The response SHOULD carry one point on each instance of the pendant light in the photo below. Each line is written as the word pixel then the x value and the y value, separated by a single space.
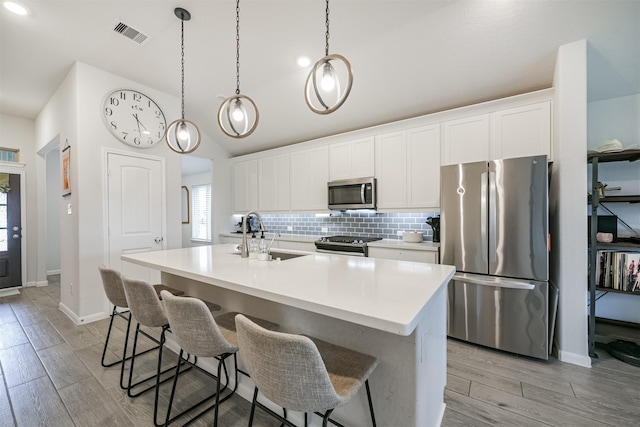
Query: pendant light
pixel 183 136
pixel 238 115
pixel 323 91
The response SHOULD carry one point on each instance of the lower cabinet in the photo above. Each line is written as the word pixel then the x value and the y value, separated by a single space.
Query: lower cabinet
pixel 227 239
pixel 430 257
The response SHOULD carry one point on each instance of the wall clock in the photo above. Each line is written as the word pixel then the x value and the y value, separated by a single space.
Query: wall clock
pixel 133 118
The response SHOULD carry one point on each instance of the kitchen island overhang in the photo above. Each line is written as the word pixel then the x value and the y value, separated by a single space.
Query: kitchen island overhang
pixel 394 310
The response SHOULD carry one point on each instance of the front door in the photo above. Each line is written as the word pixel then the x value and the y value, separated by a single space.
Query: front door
pixel 10 231
pixel 136 211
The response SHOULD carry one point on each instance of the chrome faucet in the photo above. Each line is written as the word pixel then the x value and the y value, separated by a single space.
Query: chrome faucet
pixel 244 247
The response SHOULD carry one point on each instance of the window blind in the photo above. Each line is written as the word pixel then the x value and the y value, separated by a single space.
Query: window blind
pixel 201 212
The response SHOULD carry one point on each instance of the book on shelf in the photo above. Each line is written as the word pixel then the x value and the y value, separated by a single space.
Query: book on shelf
pixel 619 271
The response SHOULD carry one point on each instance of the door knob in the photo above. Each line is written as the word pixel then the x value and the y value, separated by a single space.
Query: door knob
pixel 16 236
pixel 15 228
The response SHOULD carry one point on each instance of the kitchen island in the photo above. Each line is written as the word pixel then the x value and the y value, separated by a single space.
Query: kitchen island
pixel 393 310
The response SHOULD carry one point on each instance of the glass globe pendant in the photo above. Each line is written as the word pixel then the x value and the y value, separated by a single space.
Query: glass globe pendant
pixel 323 91
pixel 238 115
pixel 183 136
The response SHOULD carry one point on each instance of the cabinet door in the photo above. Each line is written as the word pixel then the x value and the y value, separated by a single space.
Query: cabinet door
pixel 466 140
pixel 273 183
pixel 309 176
pixel 351 159
pixel 391 170
pixel 423 160
pixel 245 186
pixel 362 158
pixel 522 131
pixel 430 257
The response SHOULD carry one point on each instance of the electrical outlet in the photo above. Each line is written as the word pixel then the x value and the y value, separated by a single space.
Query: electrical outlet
pixel 289 228
pixel 325 229
pixel 71 288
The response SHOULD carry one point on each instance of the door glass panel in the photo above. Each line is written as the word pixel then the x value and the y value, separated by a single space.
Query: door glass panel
pixel 3 240
pixel 3 198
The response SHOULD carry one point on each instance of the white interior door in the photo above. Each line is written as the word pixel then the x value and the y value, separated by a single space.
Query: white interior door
pixel 135 211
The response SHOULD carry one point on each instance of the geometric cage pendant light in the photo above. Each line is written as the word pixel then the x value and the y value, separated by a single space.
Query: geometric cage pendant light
pixel 183 136
pixel 238 115
pixel 324 90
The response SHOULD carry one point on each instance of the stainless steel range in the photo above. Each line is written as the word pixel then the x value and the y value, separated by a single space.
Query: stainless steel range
pixel 345 245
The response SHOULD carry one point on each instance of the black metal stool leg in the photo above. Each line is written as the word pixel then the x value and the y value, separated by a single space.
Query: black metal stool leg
pixel 373 417
pixel 253 406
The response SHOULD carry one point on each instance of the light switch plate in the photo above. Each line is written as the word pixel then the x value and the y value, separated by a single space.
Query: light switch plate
pixel 69 210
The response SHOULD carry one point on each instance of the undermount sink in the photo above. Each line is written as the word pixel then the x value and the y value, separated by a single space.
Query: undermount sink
pixel 284 255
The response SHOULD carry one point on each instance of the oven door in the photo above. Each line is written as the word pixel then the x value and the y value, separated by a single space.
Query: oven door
pixel 339 252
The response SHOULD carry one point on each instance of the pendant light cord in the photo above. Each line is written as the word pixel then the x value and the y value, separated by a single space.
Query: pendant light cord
pixel 326 23
pixel 237 47
pixel 182 59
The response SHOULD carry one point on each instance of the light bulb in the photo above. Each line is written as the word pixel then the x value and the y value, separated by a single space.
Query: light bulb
pixel 183 136
pixel 238 111
pixel 328 81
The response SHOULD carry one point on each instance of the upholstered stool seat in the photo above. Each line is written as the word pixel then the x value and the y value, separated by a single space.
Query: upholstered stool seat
pixel 200 334
pixel 301 373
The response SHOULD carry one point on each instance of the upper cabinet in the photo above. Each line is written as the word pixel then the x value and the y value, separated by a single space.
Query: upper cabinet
pixel 351 159
pixel 245 186
pixel 273 183
pixel 522 131
pixel 309 176
pixel 408 168
pixel 466 140
pixel 502 134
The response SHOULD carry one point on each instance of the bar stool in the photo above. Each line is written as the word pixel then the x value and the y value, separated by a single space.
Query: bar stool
pixel 114 289
pixel 147 310
pixel 200 334
pixel 301 373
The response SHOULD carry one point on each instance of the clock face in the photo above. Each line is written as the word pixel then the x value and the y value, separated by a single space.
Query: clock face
pixel 133 118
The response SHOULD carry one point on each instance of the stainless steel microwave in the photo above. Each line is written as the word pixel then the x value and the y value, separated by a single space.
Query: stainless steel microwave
pixel 357 193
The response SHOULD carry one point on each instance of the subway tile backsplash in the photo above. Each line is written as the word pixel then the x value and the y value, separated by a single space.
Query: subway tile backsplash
pixel 357 223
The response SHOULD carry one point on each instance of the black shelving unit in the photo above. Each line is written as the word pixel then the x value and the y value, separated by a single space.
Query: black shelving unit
pixel 595 200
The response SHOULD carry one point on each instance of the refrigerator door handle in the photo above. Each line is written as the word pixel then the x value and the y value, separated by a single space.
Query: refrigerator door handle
pixel 483 212
pixel 492 206
pixel 496 282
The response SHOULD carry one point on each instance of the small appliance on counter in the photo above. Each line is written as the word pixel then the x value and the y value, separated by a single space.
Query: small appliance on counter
pixel 434 222
pixel 253 226
pixel 412 236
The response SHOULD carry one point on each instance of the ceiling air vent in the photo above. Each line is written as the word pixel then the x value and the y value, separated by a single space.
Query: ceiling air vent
pixel 130 33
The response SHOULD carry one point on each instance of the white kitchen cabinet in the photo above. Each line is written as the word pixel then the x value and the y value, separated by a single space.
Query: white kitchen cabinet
pixel 352 159
pixel 391 170
pixel 245 186
pixel 408 168
pixel 273 183
pixel 423 178
pixel 430 257
pixel 522 131
pixel 466 140
pixel 309 176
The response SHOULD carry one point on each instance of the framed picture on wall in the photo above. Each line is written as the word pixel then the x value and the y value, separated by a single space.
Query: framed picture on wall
pixel 66 171
pixel 186 209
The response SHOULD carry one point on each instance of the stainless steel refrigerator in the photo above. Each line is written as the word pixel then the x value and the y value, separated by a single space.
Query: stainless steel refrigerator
pixel 494 230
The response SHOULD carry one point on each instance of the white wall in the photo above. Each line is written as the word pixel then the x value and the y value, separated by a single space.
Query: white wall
pixel 19 133
pixel 608 119
pixel 53 194
pixel 189 181
pixel 567 201
pixel 74 113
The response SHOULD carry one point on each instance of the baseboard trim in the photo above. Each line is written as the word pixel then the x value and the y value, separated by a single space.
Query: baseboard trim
pixel 81 320
pixel 52 272
pixel 573 358
pixel 42 283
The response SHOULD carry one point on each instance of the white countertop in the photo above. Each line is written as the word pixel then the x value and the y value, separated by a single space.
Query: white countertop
pixel 382 294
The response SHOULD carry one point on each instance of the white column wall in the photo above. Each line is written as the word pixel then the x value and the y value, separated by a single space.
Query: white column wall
pixel 567 202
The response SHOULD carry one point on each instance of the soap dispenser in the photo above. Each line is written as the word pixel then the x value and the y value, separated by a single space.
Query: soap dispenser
pixel 263 252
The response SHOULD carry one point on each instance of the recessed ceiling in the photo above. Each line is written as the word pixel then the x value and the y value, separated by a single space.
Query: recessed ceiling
pixel 409 57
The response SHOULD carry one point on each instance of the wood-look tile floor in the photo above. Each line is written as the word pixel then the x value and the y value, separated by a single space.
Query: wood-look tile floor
pixel 51 376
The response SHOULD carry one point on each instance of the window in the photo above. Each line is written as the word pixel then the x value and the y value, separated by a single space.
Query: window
pixel 8 155
pixel 201 212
